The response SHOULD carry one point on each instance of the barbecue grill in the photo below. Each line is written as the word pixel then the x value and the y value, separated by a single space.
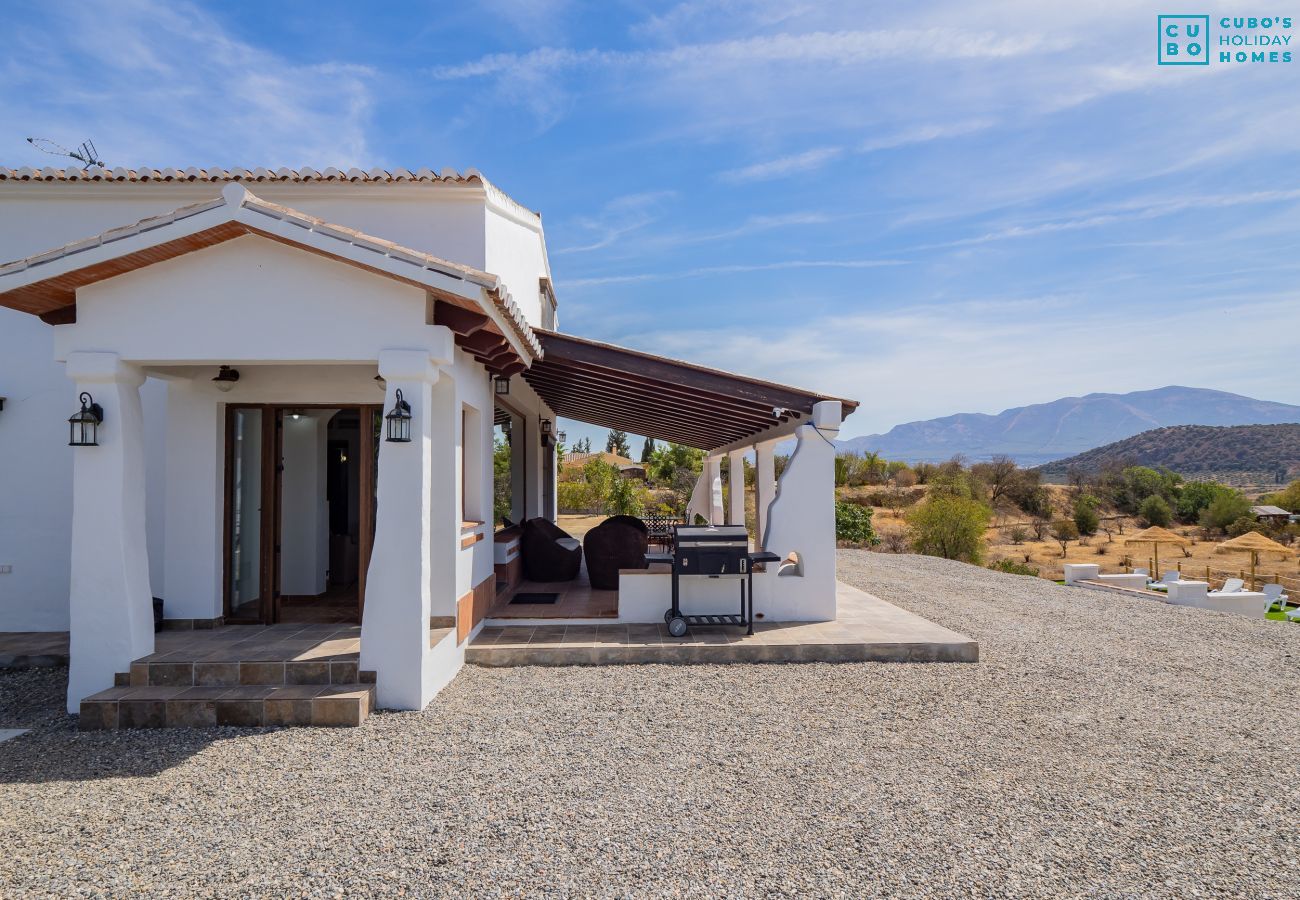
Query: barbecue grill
pixel 712 551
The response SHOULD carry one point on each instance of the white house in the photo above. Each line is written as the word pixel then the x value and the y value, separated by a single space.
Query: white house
pixel 243 342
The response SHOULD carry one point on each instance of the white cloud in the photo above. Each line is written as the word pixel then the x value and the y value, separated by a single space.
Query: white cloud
pixel 164 84
pixel 837 48
pixel 732 269
pixel 785 165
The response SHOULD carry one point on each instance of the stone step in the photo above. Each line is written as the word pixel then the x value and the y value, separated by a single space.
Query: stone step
pixel 235 673
pixel 182 706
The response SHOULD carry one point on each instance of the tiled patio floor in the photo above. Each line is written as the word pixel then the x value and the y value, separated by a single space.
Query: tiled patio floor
pixel 868 628
pixel 577 600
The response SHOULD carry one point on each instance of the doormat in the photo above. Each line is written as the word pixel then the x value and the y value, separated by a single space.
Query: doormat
pixel 533 597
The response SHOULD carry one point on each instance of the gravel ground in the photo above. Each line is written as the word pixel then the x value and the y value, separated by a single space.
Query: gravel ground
pixel 1103 746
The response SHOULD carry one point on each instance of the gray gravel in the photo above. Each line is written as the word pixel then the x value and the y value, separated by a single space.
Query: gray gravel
pixel 1102 746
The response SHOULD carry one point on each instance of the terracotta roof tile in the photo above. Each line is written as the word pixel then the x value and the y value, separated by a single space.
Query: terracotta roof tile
pixel 259 174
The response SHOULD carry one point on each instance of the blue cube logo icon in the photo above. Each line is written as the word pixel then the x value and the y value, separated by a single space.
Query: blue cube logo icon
pixel 1183 40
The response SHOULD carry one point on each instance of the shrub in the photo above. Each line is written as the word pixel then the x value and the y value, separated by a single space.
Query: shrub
pixel 1155 511
pixel 1011 567
pixel 1019 534
pixel 624 499
pixel 895 540
pixel 1244 524
pixel 1063 532
pixel 1085 514
pixel 853 524
pixel 949 526
pixel 1224 510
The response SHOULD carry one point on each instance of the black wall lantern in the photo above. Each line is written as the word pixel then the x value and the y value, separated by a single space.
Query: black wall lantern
pixel 545 428
pixel 83 426
pixel 501 384
pixel 560 436
pixel 399 421
pixel 226 379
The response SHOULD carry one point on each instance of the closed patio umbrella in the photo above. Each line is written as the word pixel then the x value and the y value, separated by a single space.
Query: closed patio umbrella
pixel 1254 543
pixel 1155 536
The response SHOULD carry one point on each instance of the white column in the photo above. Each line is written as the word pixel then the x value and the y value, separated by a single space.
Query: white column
pixel 110 602
pixel 713 475
pixel 736 487
pixel 399 581
pixel 764 486
pixel 802 522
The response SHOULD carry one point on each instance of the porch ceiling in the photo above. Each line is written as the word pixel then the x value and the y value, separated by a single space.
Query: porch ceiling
pixel 665 399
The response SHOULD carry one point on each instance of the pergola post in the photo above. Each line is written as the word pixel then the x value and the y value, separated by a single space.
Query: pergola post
pixel 764 487
pixel 736 487
pixel 110 606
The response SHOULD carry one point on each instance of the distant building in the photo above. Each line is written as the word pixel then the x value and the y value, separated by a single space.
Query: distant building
pixel 1274 515
pixel 626 467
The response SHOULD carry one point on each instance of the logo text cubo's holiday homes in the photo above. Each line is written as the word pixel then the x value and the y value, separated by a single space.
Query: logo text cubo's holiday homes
pixel 1195 40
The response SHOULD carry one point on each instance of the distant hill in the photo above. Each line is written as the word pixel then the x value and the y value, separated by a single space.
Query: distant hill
pixel 1272 451
pixel 1048 431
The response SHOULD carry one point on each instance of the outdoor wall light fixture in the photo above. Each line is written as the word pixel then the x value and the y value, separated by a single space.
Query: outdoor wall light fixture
pixel 502 384
pixel 545 428
pixel 560 436
pixel 83 426
pixel 225 379
pixel 399 421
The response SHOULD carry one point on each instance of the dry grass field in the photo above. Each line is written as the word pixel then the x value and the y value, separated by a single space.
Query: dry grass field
pixel 1107 550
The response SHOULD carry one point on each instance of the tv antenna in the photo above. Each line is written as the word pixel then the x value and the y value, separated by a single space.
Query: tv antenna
pixel 86 154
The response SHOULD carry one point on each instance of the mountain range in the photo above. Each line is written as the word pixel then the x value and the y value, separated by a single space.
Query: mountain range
pixel 1044 432
pixel 1269 451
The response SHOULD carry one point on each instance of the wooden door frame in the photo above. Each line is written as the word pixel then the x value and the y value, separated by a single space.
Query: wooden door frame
pixel 272 469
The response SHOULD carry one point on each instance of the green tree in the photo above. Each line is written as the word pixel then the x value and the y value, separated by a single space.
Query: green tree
pixel 1154 510
pixel 599 477
pixel 1086 518
pixel 617 443
pixel 1197 496
pixel 1288 498
pixel 669 459
pixel 1063 532
pixel 502 494
pixel 1224 510
pixel 623 499
pixel 648 450
pixel 1132 486
pixel 950 526
pixel 853 524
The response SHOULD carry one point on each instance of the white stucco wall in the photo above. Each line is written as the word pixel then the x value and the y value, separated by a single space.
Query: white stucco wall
pixel 35 477
pixel 250 302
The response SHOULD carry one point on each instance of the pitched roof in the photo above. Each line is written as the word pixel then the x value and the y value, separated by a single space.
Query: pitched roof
pixel 614 459
pixel 259 174
pixel 1269 511
pixel 262 175
pixel 48 281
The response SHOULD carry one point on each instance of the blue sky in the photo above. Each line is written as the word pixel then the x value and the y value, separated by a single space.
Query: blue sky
pixel 929 207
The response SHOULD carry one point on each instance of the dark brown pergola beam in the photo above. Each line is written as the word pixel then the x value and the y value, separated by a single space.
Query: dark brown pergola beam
pixel 599 378
pixel 700 442
pixel 636 419
pixel 641 399
pixel 564 348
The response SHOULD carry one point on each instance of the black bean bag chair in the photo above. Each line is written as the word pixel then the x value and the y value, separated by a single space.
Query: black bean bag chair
pixel 619 542
pixel 549 553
